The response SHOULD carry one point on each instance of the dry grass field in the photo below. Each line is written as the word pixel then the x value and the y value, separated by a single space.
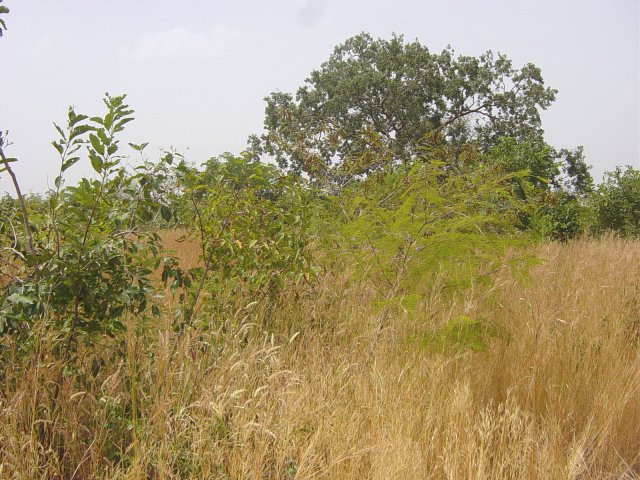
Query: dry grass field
pixel 315 393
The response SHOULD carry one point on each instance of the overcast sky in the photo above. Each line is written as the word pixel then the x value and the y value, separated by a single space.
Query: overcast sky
pixel 196 71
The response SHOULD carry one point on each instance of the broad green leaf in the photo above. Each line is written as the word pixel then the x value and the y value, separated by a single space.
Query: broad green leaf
pixel 80 130
pixel 22 299
pixel 165 212
pixel 96 162
pixel 69 162
pixel 96 144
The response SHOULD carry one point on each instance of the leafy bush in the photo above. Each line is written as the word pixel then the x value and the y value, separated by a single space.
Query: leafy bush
pixel 561 217
pixel 251 223
pixel 556 186
pixel 92 256
pixel 549 169
pixel 616 202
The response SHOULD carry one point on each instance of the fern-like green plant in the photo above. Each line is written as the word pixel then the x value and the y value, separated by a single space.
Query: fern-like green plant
pixel 424 221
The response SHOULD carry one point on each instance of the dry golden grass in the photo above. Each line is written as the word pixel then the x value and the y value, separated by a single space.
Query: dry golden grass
pixel 312 397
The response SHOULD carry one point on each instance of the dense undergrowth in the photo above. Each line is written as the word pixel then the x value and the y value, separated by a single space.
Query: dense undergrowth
pixel 315 391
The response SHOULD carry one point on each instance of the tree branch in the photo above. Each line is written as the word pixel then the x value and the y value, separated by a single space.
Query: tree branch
pixel 23 205
pixel 464 113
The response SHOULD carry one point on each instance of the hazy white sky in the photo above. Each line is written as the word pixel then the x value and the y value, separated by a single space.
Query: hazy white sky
pixel 196 71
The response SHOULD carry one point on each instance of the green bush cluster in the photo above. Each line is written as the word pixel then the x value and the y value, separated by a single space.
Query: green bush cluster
pixel 616 203
pixel 88 254
pixel 612 207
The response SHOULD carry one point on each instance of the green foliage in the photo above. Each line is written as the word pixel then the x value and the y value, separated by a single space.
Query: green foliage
pixel 561 217
pixel 373 101
pixel 616 202
pixel 549 169
pixel 462 333
pixel 251 224
pixel 439 161
pixel 415 225
pixel 93 257
pixel 95 248
pixel 556 186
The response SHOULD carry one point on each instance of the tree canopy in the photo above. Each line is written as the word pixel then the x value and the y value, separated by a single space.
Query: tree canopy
pixel 374 100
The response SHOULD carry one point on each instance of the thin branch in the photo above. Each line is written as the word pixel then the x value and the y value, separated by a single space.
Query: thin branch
pixel 23 205
pixel 464 113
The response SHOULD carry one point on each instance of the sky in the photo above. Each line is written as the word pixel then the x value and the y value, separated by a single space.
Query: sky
pixel 196 72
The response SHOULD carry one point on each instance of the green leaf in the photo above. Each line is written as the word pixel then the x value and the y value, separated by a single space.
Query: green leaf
pixel 75 119
pixel 96 144
pixel 120 125
pixel 108 120
pixel 60 131
pixel 138 148
pixel 80 130
pixel 113 148
pixel 69 162
pixel 165 212
pixel 96 162
pixel 104 138
pixel 21 299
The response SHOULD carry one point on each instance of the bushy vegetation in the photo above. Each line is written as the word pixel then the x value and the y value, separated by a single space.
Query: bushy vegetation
pixel 389 242
pixel 616 204
pixel 86 258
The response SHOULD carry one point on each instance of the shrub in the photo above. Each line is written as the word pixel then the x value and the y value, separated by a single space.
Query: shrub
pixel 251 223
pixel 616 202
pixel 91 257
pixel 408 227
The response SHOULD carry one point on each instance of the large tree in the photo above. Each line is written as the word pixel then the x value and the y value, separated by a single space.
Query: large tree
pixel 373 102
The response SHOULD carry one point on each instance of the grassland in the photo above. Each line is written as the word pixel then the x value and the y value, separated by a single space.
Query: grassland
pixel 317 393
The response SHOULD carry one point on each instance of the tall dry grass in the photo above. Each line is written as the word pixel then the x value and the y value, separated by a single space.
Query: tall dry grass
pixel 310 396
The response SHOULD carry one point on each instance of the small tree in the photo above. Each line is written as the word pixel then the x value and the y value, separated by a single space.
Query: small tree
pixel 420 223
pixel 92 256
